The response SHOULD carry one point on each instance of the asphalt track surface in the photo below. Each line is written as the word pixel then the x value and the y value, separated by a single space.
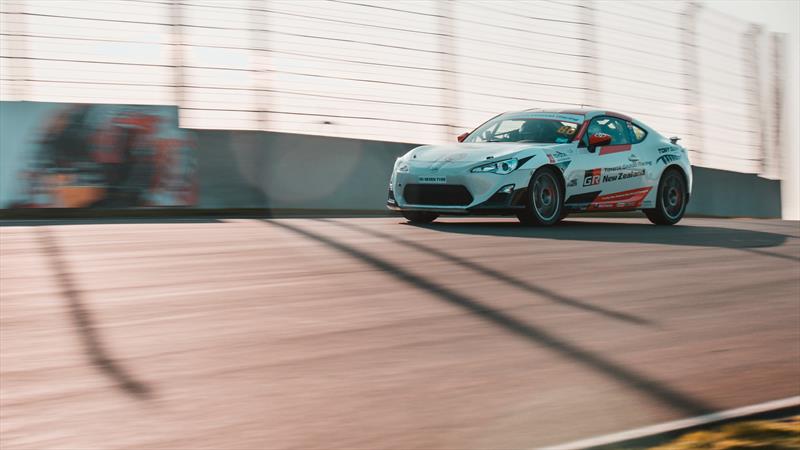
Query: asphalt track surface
pixel 372 333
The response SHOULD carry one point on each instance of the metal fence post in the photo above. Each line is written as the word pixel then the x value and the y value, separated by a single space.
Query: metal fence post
pixel 694 118
pixel 260 44
pixel 751 64
pixel 449 92
pixel 591 91
pixel 177 54
pixel 778 73
pixel 18 52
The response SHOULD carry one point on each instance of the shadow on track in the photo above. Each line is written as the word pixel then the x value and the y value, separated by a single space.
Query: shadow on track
pixel 534 334
pixel 83 322
pixel 772 254
pixel 689 235
pixel 496 274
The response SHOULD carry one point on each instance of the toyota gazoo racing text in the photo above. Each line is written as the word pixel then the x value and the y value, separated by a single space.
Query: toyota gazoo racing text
pixel 541 165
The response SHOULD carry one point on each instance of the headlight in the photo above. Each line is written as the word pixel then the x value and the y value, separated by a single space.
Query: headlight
pixel 503 167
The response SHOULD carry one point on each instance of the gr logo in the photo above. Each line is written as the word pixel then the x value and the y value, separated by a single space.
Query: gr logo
pixel 591 177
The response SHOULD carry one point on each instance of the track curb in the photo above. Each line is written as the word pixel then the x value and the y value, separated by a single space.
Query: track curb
pixel 659 433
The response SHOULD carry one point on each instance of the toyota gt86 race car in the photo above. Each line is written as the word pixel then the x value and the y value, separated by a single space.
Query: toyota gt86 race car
pixel 541 165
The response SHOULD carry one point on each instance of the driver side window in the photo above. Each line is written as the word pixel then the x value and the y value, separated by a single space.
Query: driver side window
pixel 508 130
pixel 505 131
pixel 616 128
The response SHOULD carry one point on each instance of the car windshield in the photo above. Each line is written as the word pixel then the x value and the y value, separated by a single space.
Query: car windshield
pixel 535 130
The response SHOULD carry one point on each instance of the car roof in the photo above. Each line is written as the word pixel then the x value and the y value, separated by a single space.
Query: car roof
pixel 587 112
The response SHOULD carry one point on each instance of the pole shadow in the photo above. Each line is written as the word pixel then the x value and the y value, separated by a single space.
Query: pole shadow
pixel 82 320
pixel 640 382
pixel 498 275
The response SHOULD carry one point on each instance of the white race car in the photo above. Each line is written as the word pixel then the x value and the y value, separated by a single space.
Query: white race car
pixel 541 165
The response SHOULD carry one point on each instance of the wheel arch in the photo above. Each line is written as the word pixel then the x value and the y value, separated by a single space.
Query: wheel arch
pixel 559 176
pixel 528 216
pixel 682 171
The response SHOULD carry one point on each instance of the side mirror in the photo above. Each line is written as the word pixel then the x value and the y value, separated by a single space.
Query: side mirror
pixel 598 140
pixel 462 136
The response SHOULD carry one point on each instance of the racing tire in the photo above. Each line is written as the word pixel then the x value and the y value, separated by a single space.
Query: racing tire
pixel 544 204
pixel 671 199
pixel 419 216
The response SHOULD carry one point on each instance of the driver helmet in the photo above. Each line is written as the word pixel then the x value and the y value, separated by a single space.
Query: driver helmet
pixel 531 130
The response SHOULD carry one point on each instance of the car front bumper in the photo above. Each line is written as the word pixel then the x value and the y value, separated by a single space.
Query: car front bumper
pixel 456 190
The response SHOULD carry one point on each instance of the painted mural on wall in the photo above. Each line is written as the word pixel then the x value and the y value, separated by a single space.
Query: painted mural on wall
pixel 109 156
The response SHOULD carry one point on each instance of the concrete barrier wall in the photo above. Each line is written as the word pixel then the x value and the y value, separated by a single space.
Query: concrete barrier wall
pixel 116 156
pixel 732 194
pixel 276 170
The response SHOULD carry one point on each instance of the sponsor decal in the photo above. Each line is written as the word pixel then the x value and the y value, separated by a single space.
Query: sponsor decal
pixel 560 155
pixel 534 115
pixel 623 175
pixel 591 177
pixel 620 200
pixel 559 159
pixel 663 150
pixel 594 177
pixel 572 182
pixel 629 166
pixel 667 158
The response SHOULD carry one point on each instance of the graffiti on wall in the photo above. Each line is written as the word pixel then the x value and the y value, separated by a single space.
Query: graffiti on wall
pixel 109 156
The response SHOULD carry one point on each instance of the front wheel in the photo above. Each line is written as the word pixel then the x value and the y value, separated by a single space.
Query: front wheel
pixel 545 202
pixel 671 199
pixel 419 216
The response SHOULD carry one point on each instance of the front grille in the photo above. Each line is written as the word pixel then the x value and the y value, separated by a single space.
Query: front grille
pixel 437 194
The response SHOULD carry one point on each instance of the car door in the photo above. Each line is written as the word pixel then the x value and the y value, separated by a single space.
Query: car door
pixel 610 177
pixel 645 150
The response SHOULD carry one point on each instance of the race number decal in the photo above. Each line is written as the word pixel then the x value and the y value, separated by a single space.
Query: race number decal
pixel 566 129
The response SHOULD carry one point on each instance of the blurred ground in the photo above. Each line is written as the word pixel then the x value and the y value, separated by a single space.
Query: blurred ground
pixel 371 333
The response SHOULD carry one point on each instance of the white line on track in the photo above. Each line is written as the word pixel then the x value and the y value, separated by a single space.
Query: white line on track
pixel 666 427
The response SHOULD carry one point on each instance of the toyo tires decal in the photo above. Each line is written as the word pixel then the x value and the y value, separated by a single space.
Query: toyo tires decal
pixel 620 200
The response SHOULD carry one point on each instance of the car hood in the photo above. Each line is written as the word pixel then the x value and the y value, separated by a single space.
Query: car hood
pixel 473 152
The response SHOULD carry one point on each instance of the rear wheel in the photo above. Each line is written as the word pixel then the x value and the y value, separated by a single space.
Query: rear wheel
pixel 419 216
pixel 545 202
pixel 671 199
